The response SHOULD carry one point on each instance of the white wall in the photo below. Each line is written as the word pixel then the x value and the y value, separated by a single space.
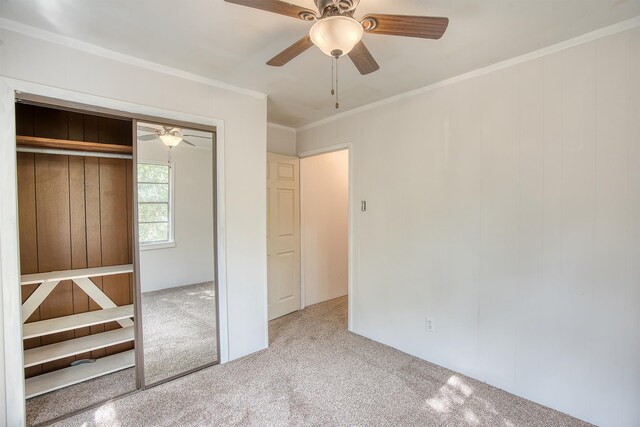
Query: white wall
pixel 191 259
pixel 507 207
pixel 72 67
pixel 281 140
pixel 324 197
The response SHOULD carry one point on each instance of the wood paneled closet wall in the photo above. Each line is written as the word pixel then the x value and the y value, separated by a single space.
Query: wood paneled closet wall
pixel 74 212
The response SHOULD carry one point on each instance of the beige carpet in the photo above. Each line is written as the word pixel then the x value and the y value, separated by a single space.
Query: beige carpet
pixel 179 330
pixel 179 335
pixel 78 396
pixel 316 373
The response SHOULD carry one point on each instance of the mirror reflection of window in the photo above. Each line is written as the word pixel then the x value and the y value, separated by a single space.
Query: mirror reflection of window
pixel 155 192
pixel 176 217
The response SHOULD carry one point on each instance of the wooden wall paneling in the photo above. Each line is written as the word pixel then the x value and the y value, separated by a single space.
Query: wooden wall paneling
pixel 74 213
pixel 50 123
pixel 24 119
pixel 129 166
pixel 129 185
pixel 54 241
pixel 38 121
pixel 114 224
pixel 75 125
pixel 127 131
pixel 94 232
pixel 78 239
pixel 27 212
pixel 113 131
pixel 129 191
pixel 122 132
pixel 106 132
pixel 109 131
pixel 90 127
pixel 28 238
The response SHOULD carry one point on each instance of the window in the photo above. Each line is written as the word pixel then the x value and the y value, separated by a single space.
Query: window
pixel 155 214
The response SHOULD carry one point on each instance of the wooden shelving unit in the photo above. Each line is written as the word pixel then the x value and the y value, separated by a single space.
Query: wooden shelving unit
pixel 74 180
pixel 109 312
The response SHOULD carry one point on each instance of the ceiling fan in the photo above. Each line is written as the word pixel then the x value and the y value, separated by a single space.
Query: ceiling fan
pixel 337 32
pixel 169 135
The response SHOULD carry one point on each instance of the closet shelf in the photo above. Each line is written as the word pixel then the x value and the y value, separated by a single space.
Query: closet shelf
pixel 59 350
pixel 63 144
pixel 77 374
pixel 109 312
pixel 75 321
pixel 30 279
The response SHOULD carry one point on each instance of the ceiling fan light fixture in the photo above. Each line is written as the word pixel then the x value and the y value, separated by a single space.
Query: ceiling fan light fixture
pixel 336 35
pixel 170 139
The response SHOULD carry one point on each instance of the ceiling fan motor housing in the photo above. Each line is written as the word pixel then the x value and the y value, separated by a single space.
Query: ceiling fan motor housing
pixel 346 5
pixel 340 6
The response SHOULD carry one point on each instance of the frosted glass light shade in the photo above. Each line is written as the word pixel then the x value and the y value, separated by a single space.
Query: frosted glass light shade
pixel 170 140
pixel 336 35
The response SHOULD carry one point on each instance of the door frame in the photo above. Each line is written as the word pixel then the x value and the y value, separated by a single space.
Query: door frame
pixel 351 232
pixel 12 391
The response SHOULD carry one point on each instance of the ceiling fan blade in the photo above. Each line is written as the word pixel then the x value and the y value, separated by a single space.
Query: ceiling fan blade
pixel 426 27
pixel 280 7
pixel 188 143
pixel 291 52
pixel 148 137
pixel 363 60
pixel 197 136
pixel 147 129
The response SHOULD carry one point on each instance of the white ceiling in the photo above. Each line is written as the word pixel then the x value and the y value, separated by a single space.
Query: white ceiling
pixel 231 43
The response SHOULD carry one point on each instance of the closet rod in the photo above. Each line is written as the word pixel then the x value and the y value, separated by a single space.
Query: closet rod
pixel 73 153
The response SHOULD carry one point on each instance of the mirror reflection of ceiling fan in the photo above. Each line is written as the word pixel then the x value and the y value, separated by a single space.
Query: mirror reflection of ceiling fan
pixel 169 135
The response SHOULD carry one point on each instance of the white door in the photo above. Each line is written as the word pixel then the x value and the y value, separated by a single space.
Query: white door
pixel 283 234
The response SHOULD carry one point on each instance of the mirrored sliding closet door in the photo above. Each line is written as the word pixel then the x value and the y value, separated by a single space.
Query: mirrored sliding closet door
pixel 176 239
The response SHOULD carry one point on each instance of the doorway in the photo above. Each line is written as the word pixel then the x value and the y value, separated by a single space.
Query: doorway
pixel 307 231
pixel 324 210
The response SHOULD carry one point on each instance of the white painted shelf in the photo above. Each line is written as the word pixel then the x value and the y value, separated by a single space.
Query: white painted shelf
pixel 109 312
pixel 30 279
pixel 77 374
pixel 47 353
pixel 75 321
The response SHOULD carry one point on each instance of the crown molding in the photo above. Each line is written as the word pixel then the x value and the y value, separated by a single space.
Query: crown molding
pixel 49 36
pixel 281 127
pixel 576 41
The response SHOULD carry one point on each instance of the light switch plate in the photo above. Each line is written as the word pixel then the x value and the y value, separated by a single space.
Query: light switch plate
pixel 428 324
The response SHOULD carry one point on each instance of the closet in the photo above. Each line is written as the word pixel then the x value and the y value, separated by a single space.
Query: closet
pixel 75 210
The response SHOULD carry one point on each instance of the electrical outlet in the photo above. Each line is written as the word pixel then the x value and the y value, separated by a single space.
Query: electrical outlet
pixel 428 324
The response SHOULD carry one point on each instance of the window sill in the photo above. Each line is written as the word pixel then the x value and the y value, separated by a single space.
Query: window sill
pixel 153 246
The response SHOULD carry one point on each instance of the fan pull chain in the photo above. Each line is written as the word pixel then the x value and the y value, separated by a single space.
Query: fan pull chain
pixel 169 158
pixel 333 60
pixel 337 99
